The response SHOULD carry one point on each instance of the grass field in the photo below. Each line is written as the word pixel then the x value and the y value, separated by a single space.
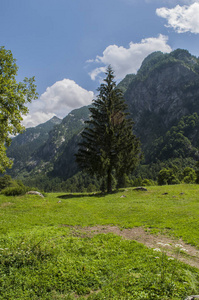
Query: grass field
pixel 42 258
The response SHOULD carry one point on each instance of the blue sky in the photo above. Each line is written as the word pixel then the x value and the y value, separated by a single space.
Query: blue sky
pixel 67 44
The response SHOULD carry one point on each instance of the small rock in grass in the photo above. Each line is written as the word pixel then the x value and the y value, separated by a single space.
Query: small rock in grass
pixel 123 196
pixel 140 188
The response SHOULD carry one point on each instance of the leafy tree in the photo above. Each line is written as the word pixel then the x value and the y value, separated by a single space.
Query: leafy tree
pixel 13 99
pixel 189 175
pixel 5 181
pixel 167 176
pixel 108 145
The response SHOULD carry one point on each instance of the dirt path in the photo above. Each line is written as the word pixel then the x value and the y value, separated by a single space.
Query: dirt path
pixel 189 254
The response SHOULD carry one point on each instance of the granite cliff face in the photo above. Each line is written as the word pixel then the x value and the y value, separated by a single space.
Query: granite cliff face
pixel 165 89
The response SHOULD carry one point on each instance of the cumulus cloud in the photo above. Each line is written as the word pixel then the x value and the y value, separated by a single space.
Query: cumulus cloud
pixel 181 18
pixel 173 2
pixel 128 60
pixel 33 119
pixel 58 99
pixel 65 95
pixel 161 2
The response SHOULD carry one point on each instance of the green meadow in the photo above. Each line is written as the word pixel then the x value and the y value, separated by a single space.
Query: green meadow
pixel 43 255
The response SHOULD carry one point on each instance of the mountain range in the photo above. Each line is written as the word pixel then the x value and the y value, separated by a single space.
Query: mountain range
pixel 163 101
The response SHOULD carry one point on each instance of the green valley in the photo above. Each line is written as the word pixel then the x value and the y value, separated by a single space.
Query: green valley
pixel 47 250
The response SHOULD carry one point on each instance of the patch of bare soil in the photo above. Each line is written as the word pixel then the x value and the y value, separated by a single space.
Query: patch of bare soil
pixel 5 204
pixel 189 254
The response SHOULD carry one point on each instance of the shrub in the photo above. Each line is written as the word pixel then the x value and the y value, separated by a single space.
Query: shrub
pixel 189 175
pixel 5 181
pixel 148 182
pixel 167 176
pixel 15 189
pixel 137 181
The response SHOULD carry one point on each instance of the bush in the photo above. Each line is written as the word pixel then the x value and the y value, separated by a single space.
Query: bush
pixel 5 181
pixel 15 189
pixel 189 175
pixel 167 176
pixel 137 181
pixel 148 182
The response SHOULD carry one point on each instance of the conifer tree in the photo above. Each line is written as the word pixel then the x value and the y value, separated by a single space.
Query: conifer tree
pixel 108 144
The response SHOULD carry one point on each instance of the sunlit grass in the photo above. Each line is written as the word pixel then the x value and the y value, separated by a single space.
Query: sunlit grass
pixel 41 259
pixel 171 208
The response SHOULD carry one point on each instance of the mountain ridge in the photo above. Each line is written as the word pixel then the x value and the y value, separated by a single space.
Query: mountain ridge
pixel 164 90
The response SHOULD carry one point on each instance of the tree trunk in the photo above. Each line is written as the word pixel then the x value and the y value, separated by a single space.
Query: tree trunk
pixel 109 181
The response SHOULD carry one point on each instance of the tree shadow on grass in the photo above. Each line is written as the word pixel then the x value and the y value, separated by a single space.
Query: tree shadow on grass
pixel 81 195
pixel 70 196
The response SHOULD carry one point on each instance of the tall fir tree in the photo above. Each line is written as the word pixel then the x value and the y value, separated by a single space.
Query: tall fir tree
pixel 108 144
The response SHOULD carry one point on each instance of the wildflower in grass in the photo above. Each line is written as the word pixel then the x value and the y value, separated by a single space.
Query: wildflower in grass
pixel 167 245
pixel 180 248
pixel 163 245
pixel 183 249
pixel 157 249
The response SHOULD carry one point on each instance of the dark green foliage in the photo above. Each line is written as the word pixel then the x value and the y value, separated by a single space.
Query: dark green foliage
pixel 14 98
pixel 123 181
pixel 189 175
pixel 5 181
pixel 10 187
pixel 152 170
pixel 179 142
pixel 175 175
pixel 123 85
pixel 157 61
pixel 80 182
pixel 108 142
pixel 150 62
pixel 167 176
pixel 15 188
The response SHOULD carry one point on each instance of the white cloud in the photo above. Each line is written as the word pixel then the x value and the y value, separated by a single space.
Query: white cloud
pixel 128 60
pixel 181 18
pixel 173 2
pixel 161 2
pixel 36 118
pixel 58 99
pixel 65 95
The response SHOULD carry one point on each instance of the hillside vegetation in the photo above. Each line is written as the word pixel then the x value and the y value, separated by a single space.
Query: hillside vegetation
pixel 47 254
pixel 162 100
